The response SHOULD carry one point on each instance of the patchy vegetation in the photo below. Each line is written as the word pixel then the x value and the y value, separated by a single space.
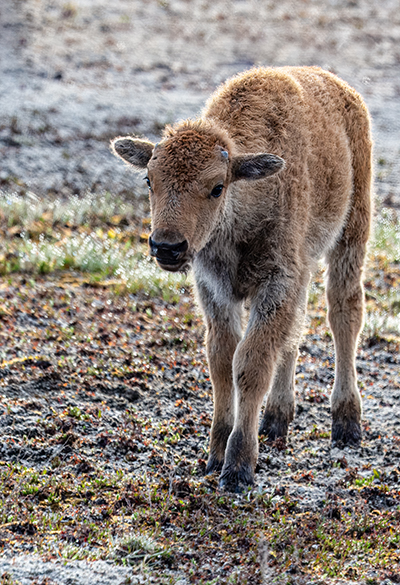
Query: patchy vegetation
pixel 98 235
pixel 105 406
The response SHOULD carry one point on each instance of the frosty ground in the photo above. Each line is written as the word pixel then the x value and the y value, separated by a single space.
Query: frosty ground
pixel 105 395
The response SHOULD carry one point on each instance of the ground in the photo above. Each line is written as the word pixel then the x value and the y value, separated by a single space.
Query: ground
pixel 105 395
pixel 77 73
pixel 105 412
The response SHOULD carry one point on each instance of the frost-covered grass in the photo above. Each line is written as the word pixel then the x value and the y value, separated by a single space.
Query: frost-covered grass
pixel 105 237
pixel 382 280
pixel 378 323
pixel 75 211
pixel 386 239
pixel 103 257
pixel 100 235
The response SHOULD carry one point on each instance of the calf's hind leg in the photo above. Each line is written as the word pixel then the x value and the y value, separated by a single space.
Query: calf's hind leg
pixel 344 286
pixel 279 410
pixel 345 314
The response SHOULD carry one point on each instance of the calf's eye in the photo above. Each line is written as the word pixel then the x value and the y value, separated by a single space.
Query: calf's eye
pixel 216 192
pixel 148 182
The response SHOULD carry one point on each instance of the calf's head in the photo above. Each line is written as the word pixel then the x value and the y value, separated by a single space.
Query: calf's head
pixel 188 174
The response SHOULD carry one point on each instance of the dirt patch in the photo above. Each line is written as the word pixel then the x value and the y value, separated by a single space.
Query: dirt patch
pixel 95 385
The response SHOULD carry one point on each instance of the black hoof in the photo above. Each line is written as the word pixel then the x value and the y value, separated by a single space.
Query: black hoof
pixel 213 464
pixel 346 432
pixel 273 427
pixel 237 481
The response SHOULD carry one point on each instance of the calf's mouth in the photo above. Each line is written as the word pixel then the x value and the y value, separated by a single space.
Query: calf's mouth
pixel 171 266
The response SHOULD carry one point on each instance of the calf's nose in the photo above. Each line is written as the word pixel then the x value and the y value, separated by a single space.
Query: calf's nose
pixel 165 251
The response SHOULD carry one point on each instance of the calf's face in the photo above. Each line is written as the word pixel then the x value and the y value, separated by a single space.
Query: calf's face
pixel 188 182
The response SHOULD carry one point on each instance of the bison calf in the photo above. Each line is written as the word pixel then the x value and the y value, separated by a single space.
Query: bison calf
pixel 273 176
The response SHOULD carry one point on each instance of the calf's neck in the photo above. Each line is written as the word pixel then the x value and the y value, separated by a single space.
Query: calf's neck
pixel 274 175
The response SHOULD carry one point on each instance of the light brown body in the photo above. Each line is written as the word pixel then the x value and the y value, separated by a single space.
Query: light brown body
pixel 260 238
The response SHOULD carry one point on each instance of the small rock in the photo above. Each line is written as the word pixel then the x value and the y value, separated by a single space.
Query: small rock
pixel 133 394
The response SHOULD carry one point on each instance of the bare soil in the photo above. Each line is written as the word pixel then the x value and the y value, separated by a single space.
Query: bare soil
pixel 95 385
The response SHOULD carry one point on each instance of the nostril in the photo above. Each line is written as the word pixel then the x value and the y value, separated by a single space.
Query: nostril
pixel 180 248
pixel 153 247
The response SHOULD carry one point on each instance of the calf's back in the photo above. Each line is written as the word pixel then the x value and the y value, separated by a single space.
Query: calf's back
pixel 320 126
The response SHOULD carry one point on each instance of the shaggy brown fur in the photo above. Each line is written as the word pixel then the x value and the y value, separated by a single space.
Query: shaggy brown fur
pixel 254 237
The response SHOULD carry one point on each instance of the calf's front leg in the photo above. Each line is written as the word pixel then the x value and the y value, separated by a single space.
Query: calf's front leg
pixel 223 335
pixel 254 365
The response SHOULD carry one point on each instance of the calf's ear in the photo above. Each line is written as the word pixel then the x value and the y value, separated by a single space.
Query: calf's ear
pixel 135 152
pixel 255 166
